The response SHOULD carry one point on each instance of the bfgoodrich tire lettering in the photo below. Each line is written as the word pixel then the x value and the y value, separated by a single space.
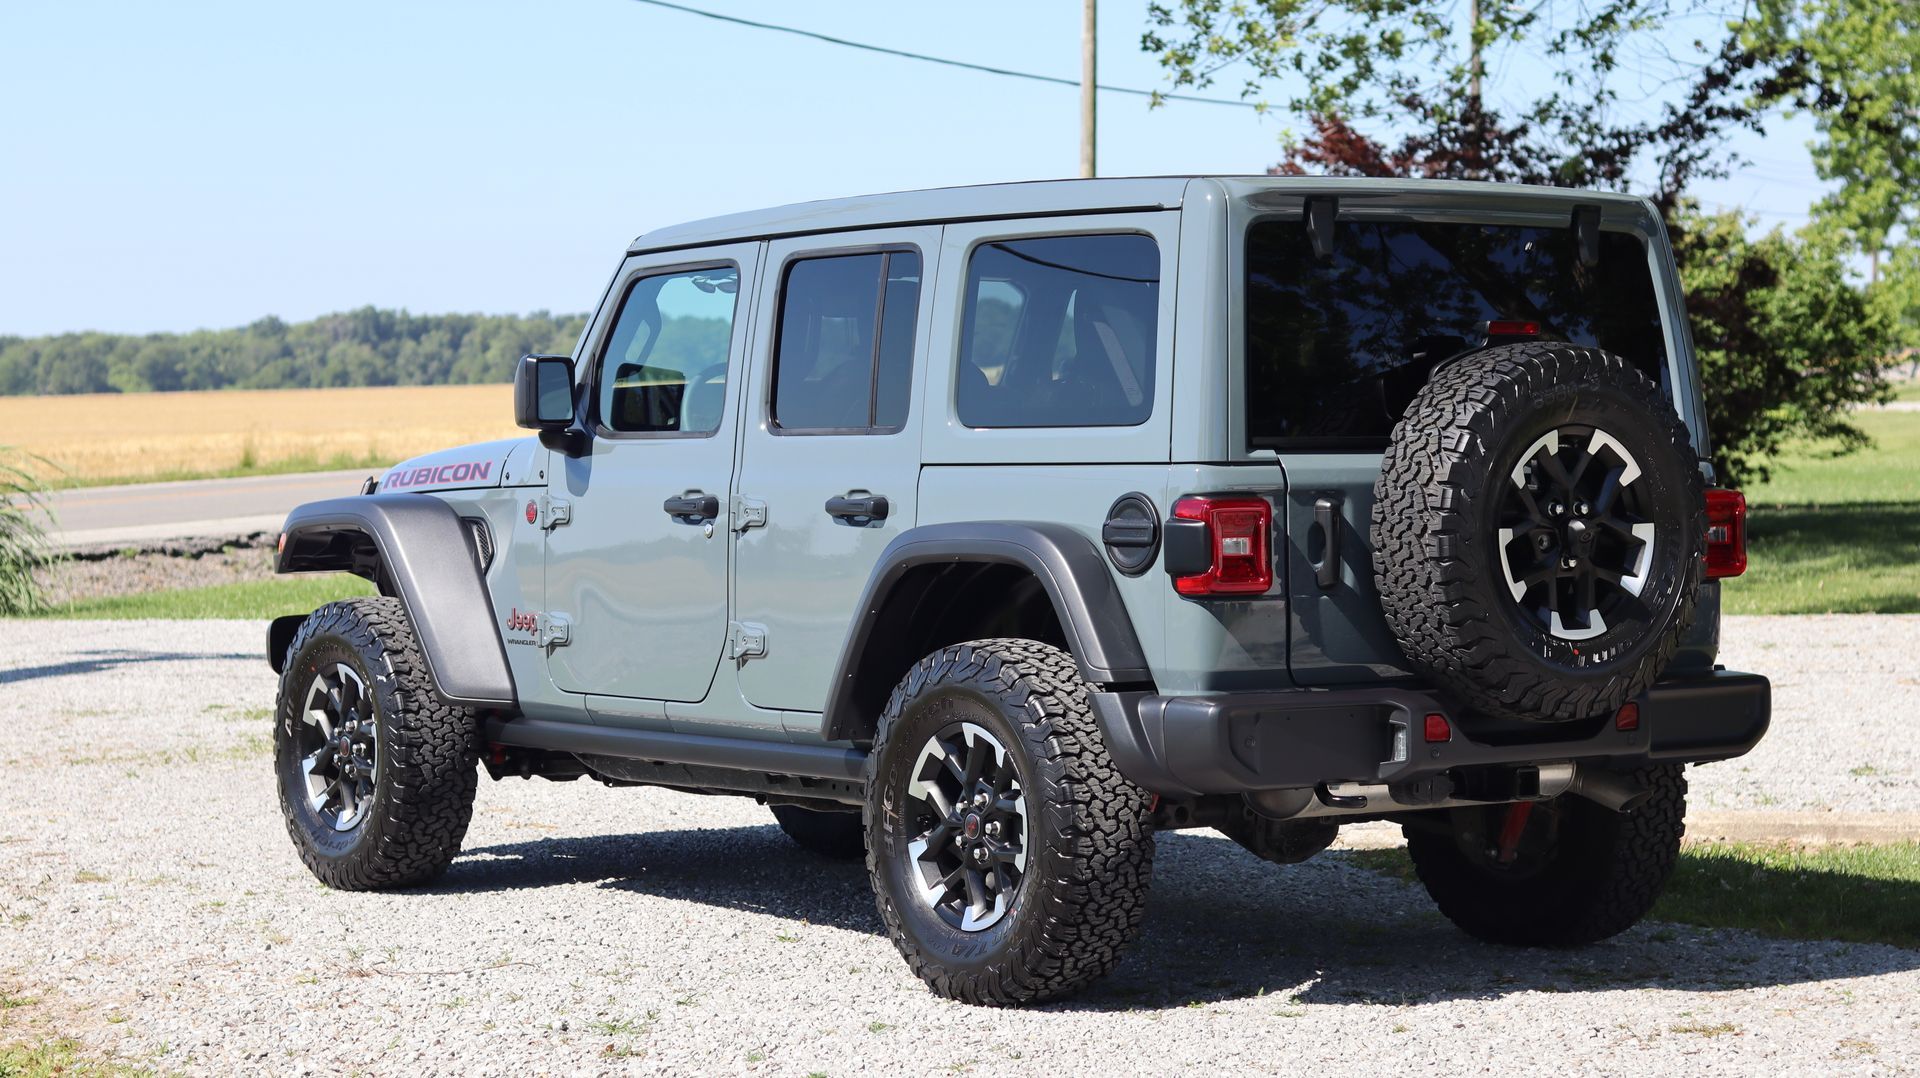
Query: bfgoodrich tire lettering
pixel 421 790
pixel 1464 490
pixel 1089 852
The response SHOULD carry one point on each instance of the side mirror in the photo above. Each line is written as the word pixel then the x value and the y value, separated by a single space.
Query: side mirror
pixel 543 401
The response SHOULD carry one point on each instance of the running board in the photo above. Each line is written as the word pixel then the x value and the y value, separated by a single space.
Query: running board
pixel 665 746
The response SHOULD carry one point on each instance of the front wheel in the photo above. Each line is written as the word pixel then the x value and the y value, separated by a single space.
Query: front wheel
pixel 376 773
pixel 1559 874
pixel 1008 856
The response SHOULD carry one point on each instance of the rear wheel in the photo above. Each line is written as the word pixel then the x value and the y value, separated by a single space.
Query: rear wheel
pixel 1008 856
pixel 839 835
pixel 1557 874
pixel 376 773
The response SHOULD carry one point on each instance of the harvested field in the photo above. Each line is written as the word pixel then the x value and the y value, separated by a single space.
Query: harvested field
pixel 129 437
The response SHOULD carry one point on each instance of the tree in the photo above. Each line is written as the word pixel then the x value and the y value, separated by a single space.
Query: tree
pixel 1786 345
pixel 1861 60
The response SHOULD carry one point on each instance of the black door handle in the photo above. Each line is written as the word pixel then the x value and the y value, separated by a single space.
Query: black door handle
pixel 1326 518
pixel 693 507
pixel 858 511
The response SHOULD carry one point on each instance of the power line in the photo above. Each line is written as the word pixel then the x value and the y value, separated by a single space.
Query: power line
pixel 905 55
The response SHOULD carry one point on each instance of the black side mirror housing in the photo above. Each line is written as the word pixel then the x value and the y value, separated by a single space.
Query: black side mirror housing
pixel 543 401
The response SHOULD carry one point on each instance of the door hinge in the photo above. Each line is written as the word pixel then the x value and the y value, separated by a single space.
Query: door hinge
pixel 553 631
pixel 748 513
pixel 554 512
pixel 746 640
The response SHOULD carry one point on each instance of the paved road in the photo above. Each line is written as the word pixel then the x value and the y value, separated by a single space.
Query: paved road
pixel 150 905
pixel 201 507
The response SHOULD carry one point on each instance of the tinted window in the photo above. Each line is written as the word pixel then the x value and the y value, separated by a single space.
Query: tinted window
pixel 1336 349
pixel 844 360
pixel 665 366
pixel 1059 332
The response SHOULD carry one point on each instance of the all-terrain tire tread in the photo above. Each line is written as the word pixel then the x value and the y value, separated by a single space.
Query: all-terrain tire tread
pixel 1092 910
pixel 429 753
pixel 1423 522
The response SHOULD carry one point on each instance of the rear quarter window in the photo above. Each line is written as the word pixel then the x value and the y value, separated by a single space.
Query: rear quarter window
pixel 1059 331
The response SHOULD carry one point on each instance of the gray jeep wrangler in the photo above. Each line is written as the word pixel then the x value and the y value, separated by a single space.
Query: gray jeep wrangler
pixel 988 532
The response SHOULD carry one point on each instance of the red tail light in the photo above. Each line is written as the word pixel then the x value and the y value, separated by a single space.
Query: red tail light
pixel 1237 538
pixel 1512 328
pixel 1726 533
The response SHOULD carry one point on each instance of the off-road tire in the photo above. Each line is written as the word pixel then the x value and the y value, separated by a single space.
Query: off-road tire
pixel 425 774
pixel 1090 853
pixel 1600 876
pixel 839 835
pixel 1436 556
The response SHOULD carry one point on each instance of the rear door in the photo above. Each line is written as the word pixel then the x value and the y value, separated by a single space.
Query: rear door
pixel 830 459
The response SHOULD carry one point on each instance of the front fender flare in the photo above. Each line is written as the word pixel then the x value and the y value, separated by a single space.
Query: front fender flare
pixel 416 547
pixel 1067 565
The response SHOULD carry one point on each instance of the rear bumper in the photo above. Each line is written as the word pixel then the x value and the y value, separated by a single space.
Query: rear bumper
pixel 1183 746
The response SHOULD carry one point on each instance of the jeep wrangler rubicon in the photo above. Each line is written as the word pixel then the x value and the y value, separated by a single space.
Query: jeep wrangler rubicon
pixel 991 531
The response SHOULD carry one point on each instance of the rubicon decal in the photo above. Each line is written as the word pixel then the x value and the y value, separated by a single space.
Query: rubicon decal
pixel 463 472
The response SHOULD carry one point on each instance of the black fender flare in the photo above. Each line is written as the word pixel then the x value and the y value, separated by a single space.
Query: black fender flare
pixel 416 547
pixel 1067 564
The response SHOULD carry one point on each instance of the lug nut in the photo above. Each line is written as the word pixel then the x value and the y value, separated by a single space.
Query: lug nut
pixel 1556 509
pixel 1582 508
pixel 993 828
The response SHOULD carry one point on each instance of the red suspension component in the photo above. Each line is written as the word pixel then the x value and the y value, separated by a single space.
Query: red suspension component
pixel 1511 829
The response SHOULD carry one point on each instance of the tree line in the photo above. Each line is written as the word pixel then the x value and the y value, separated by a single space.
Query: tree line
pixel 365 347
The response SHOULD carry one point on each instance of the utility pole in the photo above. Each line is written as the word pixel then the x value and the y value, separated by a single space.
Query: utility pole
pixel 1088 68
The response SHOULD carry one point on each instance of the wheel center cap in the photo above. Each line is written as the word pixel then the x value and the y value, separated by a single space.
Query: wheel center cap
pixel 972 826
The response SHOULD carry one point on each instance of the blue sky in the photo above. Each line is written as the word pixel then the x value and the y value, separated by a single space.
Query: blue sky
pixel 172 166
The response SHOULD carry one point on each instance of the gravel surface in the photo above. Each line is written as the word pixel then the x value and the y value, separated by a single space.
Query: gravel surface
pixel 151 906
pixel 1845 690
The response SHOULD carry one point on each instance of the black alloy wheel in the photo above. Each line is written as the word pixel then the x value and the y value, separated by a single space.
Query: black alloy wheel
pixel 1574 541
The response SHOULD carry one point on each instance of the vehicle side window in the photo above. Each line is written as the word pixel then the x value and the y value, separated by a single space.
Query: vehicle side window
pixel 664 369
pixel 1059 332
pixel 844 357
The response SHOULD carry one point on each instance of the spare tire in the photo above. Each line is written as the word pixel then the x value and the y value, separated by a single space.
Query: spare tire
pixel 1539 532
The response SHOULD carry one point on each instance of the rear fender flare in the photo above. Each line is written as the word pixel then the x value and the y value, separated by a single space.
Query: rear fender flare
pixel 416 547
pixel 1067 565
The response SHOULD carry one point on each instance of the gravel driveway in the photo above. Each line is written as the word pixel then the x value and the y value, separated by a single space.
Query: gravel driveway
pixel 151 906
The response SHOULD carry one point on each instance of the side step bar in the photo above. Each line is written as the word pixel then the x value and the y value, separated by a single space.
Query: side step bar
pixel 665 746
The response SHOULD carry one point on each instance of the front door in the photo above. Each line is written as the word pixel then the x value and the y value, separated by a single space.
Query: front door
pixel 638 565
pixel 832 449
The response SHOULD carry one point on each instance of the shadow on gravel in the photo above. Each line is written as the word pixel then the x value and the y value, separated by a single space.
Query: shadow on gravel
pixel 1220 924
pixel 94 662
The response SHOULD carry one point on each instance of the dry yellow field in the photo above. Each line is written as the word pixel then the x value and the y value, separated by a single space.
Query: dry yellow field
pixel 134 436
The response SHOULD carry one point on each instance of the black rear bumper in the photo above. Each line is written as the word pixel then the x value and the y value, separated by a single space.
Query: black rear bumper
pixel 1187 745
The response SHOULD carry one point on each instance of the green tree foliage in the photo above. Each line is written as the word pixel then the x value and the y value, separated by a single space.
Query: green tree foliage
pixel 364 347
pixel 1786 345
pixel 1861 60
pixel 23 544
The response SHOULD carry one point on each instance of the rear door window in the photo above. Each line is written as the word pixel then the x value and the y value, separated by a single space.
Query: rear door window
pixel 844 357
pixel 1059 332
pixel 1336 348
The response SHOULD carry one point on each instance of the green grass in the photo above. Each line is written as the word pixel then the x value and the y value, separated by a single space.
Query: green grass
pixel 252 599
pixel 1837 534
pixel 1907 391
pixel 60 1056
pixel 1856 894
pixel 297 465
